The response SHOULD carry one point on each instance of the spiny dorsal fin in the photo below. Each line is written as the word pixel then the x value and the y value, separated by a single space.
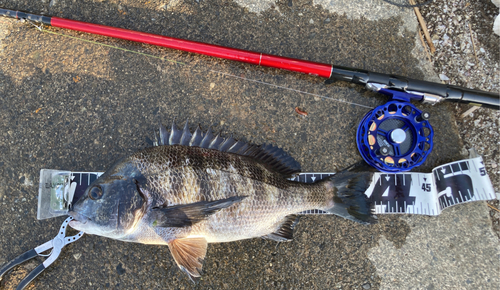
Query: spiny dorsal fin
pixel 186 215
pixel 186 135
pixel 273 157
pixel 285 232
pixel 189 254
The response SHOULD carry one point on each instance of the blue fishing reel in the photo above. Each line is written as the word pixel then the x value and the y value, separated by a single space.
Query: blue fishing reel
pixel 396 136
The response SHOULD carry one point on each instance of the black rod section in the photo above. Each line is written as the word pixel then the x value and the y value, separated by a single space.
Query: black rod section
pixel 23 15
pixel 447 92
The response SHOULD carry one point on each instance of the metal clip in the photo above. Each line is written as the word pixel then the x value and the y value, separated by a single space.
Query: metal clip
pixel 427 98
pixel 39 27
pixel 375 86
pixel 55 244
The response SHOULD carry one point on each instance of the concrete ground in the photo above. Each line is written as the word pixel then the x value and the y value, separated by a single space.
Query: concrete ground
pixel 68 103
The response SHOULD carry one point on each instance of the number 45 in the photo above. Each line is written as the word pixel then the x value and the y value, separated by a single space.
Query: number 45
pixel 426 187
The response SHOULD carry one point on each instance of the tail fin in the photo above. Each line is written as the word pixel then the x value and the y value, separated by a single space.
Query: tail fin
pixel 349 199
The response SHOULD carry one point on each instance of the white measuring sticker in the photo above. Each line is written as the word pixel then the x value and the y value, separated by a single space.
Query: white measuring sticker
pixel 412 193
pixel 425 193
pixel 430 193
pixel 58 189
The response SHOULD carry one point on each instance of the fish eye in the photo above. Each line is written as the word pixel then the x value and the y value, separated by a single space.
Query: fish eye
pixel 95 193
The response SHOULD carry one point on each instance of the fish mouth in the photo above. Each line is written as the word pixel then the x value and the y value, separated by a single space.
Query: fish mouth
pixel 78 219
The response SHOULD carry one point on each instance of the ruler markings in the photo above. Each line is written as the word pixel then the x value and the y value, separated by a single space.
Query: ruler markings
pixel 414 200
pixel 476 195
pixel 489 195
pixel 486 194
pixel 480 195
pixel 474 166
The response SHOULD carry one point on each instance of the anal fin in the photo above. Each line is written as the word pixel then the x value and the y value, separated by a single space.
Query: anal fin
pixel 189 254
pixel 285 232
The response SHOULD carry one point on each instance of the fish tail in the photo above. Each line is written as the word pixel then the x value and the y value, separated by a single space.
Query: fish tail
pixel 346 194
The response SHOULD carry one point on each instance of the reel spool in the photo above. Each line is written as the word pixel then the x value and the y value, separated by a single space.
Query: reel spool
pixel 395 137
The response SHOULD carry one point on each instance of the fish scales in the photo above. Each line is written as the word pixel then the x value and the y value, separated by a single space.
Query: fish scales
pixel 183 175
pixel 195 189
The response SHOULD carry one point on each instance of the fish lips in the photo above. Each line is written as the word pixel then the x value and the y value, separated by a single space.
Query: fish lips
pixel 78 220
pixel 87 225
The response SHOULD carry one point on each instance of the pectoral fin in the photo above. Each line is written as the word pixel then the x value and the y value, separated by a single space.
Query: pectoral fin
pixel 188 214
pixel 189 254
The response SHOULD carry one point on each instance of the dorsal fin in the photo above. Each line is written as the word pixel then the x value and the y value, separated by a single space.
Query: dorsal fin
pixel 273 157
pixel 186 135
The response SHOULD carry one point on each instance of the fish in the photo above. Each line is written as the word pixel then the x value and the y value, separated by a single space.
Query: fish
pixel 196 188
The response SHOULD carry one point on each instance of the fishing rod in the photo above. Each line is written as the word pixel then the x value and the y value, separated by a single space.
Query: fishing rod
pixel 393 137
pixel 424 91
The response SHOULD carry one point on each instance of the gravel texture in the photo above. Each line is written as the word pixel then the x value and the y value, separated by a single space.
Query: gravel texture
pixel 74 105
pixel 468 54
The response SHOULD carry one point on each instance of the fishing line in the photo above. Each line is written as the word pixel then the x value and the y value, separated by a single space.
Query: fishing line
pixel 290 89
pixel 110 46
pixel 198 70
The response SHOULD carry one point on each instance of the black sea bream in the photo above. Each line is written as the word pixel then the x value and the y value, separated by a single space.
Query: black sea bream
pixel 196 188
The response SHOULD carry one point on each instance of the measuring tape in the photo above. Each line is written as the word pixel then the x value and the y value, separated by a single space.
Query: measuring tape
pixel 411 193
pixel 425 193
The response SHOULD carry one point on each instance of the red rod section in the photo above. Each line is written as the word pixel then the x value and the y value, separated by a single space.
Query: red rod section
pixel 256 58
